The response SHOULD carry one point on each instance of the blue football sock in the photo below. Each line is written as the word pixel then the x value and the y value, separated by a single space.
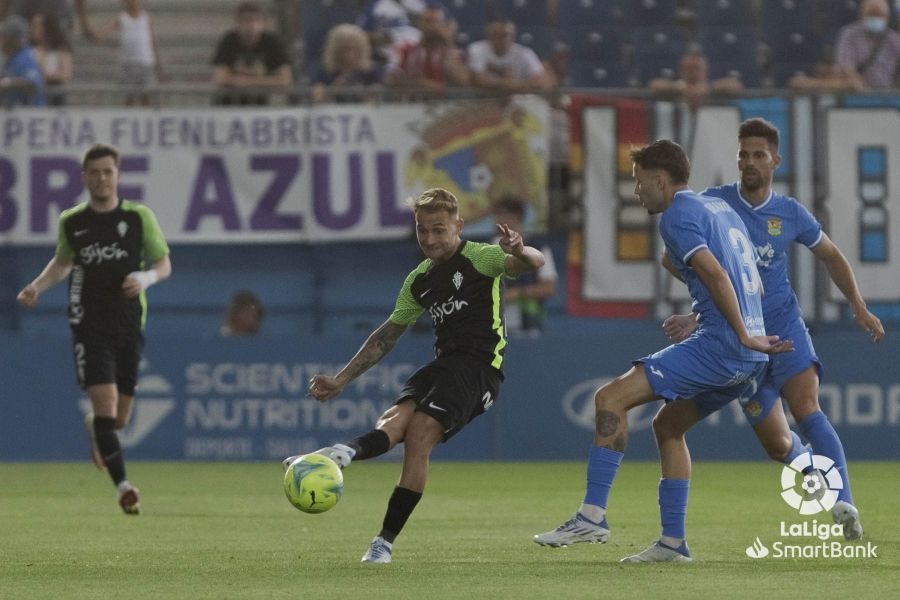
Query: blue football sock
pixel 796 450
pixel 602 466
pixel 825 441
pixel 673 497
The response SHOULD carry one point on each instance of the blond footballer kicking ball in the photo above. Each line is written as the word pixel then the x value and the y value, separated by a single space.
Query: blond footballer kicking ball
pixel 313 483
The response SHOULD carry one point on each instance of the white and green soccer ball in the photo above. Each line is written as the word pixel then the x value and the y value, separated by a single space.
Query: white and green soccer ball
pixel 313 483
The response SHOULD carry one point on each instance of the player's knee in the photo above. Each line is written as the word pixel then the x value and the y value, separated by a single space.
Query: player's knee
pixel 604 400
pixel 777 449
pixel 803 406
pixel 665 429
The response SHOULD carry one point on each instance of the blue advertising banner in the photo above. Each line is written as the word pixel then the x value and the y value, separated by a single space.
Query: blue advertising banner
pixel 245 399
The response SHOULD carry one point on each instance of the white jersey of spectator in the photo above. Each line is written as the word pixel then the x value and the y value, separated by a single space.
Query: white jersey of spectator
pixel 135 40
pixel 519 63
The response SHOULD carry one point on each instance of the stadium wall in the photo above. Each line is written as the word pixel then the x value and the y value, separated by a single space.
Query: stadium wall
pixel 244 399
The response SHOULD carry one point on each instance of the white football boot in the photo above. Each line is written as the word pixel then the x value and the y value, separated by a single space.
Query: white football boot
pixel 339 453
pixel 379 551
pixel 659 552
pixel 846 514
pixel 577 529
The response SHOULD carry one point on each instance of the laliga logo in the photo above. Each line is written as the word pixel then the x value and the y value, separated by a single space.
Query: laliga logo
pixel 820 484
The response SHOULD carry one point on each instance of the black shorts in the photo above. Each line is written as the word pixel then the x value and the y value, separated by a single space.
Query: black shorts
pixel 106 357
pixel 453 389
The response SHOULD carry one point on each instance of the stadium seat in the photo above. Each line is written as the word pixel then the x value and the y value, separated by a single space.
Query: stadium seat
pixel 648 13
pixel 780 17
pixel 835 15
pixel 595 42
pixel 526 14
pixel 657 51
pixel 587 73
pixel 579 16
pixel 730 13
pixel 732 51
pixel 470 17
pixel 538 38
pixel 795 47
pixel 318 17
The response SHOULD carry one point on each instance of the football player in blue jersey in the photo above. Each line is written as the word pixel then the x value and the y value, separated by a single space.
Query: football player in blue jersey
pixel 710 248
pixel 774 223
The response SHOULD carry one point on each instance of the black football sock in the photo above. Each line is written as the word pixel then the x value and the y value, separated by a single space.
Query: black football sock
pixel 369 445
pixel 110 449
pixel 400 506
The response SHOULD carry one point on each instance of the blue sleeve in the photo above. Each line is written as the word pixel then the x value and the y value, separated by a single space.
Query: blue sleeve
pixel 809 230
pixel 684 233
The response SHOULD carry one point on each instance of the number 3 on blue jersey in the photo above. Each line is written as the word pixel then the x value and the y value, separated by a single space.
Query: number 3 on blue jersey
pixel 749 273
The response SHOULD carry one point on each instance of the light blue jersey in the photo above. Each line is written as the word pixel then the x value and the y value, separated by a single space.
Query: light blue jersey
pixel 694 222
pixel 711 367
pixel 773 227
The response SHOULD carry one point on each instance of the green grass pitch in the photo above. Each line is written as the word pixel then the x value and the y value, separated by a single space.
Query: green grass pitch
pixel 223 530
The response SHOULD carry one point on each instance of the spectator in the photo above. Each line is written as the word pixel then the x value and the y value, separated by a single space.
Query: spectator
pixel 54 54
pixel 524 296
pixel 390 24
pixel 244 315
pixel 499 63
pixel 347 63
pixel 21 81
pixel 62 9
pixel 868 50
pixel 693 86
pixel 250 57
pixel 433 64
pixel 132 32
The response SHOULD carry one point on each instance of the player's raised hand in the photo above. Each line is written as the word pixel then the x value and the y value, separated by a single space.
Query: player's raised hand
pixel 770 344
pixel 324 387
pixel 870 323
pixel 28 297
pixel 510 241
pixel 679 327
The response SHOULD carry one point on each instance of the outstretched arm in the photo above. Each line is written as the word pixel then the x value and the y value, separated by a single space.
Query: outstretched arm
pixel 521 258
pixel 379 343
pixel 55 271
pixel 841 274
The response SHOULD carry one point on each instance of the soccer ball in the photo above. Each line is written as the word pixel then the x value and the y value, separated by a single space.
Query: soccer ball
pixel 313 483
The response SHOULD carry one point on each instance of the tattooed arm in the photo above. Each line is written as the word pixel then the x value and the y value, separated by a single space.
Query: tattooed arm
pixel 379 343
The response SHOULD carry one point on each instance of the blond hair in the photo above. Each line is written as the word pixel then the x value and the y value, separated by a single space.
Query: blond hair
pixel 342 35
pixel 434 200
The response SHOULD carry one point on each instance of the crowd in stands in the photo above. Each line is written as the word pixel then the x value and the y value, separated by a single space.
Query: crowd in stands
pixel 354 49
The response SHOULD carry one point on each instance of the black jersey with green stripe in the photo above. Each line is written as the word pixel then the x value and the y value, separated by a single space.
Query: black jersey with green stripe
pixel 105 247
pixel 463 296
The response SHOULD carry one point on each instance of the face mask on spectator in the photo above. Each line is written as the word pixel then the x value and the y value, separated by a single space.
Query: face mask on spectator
pixel 875 24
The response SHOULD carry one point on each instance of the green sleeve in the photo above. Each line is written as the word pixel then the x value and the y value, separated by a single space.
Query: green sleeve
pixel 488 259
pixel 406 309
pixel 155 246
pixel 63 249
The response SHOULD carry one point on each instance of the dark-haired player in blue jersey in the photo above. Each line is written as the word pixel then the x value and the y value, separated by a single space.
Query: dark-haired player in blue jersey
pixel 114 250
pixel 775 222
pixel 460 284
pixel 709 246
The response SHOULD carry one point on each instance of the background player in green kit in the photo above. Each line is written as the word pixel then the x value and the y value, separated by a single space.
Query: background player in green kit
pixel 105 244
pixel 460 285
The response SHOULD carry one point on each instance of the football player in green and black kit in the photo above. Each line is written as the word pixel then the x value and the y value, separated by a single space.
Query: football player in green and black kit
pixel 460 284
pixel 105 244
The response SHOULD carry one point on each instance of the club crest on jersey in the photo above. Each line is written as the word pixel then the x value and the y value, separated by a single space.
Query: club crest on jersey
pixel 122 228
pixel 457 279
pixel 774 226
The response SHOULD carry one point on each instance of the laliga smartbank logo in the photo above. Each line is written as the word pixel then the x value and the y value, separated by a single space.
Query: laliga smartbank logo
pixel 810 485
pixel 819 482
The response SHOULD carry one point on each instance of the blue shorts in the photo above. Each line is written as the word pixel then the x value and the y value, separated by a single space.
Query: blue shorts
pixel 782 367
pixel 693 370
